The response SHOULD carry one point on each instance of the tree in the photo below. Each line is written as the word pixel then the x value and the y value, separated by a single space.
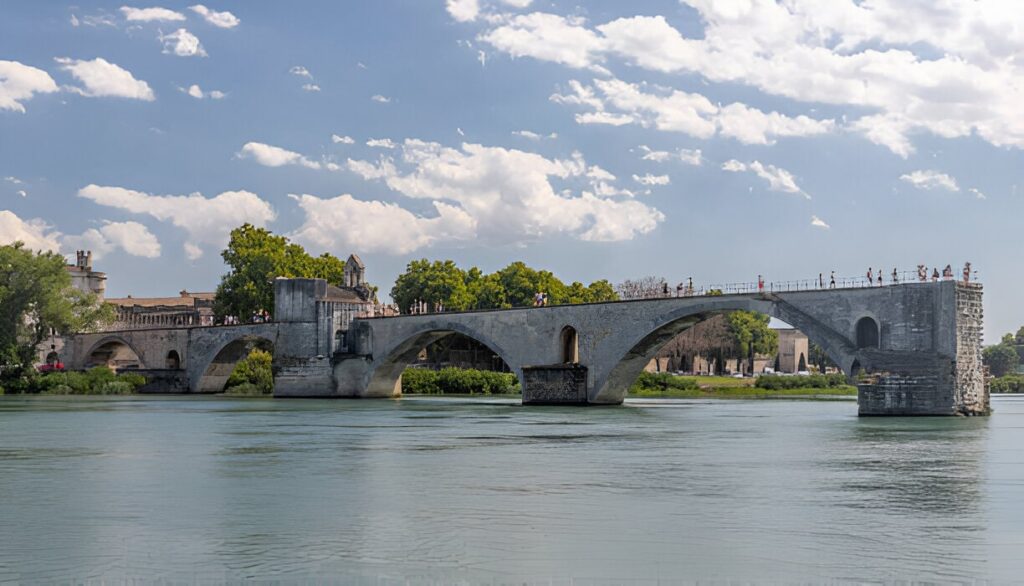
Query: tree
pixel 1020 336
pixel 256 257
pixel 1001 359
pixel 644 288
pixel 36 296
pixel 444 283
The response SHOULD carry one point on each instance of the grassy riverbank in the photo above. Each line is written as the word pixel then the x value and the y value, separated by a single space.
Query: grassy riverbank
pixel 720 387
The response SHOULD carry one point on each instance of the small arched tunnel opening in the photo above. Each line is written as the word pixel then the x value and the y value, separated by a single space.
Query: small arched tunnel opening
pixel 569 342
pixel 52 358
pixel 443 362
pixel 115 355
pixel 713 352
pixel 867 333
pixel 173 360
pixel 243 366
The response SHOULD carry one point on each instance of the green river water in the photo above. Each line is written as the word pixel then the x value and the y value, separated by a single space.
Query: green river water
pixel 478 491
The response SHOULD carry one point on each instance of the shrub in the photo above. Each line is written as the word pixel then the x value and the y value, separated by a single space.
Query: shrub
pixel 247 390
pixel 662 382
pixel 775 382
pixel 96 381
pixel 1011 383
pixel 458 381
pixel 254 369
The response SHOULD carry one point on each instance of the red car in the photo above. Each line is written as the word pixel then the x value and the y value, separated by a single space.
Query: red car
pixel 54 367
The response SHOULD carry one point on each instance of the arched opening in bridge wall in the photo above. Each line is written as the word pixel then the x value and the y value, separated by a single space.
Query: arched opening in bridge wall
pixel 173 361
pixel 570 345
pixel 241 366
pixel 114 353
pixel 433 350
pixel 867 333
pixel 612 387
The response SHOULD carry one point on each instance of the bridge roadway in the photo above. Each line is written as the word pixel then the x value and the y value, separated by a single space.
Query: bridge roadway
pixel 915 347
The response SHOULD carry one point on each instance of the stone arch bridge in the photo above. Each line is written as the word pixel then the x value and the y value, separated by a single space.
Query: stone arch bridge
pixel 916 346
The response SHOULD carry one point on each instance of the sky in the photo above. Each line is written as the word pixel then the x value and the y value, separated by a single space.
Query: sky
pixel 717 140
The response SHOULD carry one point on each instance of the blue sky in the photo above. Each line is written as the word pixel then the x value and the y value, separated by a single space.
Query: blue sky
pixel 718 140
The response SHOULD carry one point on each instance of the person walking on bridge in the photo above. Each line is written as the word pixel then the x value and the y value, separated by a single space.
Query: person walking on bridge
pixel 895 276
pixel 832 281
pixel 871 279
pixel 760 284
pixel 879 276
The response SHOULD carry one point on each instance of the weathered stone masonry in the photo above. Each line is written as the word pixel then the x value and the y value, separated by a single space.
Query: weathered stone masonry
pixel 917 345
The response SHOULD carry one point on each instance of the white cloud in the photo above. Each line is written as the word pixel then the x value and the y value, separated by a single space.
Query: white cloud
pixel 381 99
pixel 977 194
pixel 24 193
pixel 104 79
pixel 929 180
pixel 691 157
pixel 217 95
pixel 617 103
pixel 19 82
pixel 182 43
pixel 300 71
pixel 13 179
pixel 528 134
pixel 952 70
pixel 778 179
pixel 218 19
pixel 35 233
pixel 648 179
pixel 336 139
pixel 272 156
pixel 194 91
pixel 381 143
pixel 508 194
pixel 819 223
pixel 155 14
pixel 463 10
pixel 311 87
pixel 518 3
pixel 197 92
pixel 74 20
pixel 205 220
pixel 132 237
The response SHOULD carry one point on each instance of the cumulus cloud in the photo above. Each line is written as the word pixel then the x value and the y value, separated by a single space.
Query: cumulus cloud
pixel 104 79
pixel 206 221
pixel 218 19
pixel 311 87
pixel 300 71
pixel 381 143
pixel 931 180
pixel 819 223
pixel 528 134
pixel 182 43
pixel 507 195
pixel 132 237
pixel 197 92
pixel 616 102
pixel 338 139
pixel 273 156
pixel 778 179
pixel 688 156
pixel 977 193
pixel 381 99
pixel 19 82
pixel 155 14
pixel 24 193
pixel 904 67
pixel 35 233
pixel 648 179
pixel 463 10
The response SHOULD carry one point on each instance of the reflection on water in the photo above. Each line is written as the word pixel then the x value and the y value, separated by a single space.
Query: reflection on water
pixel 440 490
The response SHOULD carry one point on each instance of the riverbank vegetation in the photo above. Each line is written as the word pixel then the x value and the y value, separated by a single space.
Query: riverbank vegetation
pixel 1010 383
pixel 766 386
pixel 38 299
pixel 252 375
pixel 95 381
pixel 458 381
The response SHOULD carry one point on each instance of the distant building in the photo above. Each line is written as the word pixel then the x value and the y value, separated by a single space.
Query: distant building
pixel 187 309
pixel 793 351
pixel 83 277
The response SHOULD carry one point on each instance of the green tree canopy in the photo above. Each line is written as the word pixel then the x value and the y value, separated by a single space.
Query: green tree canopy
pixel 1001 359
pixel 746 327
pixel 256 257
pixel 36 295
pixel 444 283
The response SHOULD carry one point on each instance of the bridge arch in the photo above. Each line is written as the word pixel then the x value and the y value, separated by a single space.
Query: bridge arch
pixel 209 373
pixel 385 378
pixel 868 333
pixel 115 352
pixel 638 350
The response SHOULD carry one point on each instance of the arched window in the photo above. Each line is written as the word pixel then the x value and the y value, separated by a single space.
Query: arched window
pixel 173 361
pixel 570 345
pixel 867 333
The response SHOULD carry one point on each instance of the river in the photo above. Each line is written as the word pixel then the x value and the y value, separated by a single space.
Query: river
pixel 442 490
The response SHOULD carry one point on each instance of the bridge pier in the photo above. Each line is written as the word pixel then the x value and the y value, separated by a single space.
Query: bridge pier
pixel 555 384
